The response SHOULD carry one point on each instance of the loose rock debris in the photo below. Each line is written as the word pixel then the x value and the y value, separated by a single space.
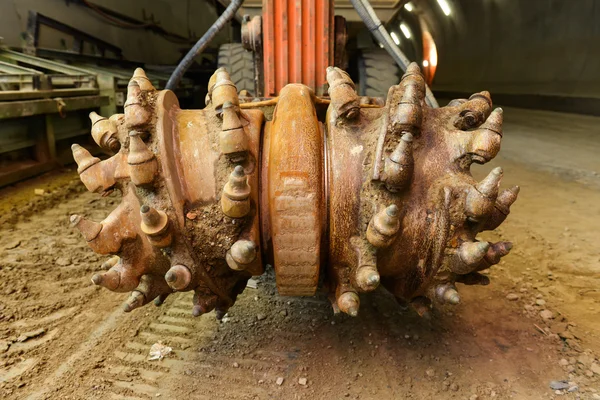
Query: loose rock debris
pixel 158 351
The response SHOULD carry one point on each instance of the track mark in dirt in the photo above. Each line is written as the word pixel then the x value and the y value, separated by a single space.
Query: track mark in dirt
pixel 16 370
pixel 67 312
pixel 84 350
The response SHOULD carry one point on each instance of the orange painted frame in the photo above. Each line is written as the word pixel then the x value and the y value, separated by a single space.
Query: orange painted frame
pixel 297 43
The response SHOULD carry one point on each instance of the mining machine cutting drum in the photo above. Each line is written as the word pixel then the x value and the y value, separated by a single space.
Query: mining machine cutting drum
pixel 365 196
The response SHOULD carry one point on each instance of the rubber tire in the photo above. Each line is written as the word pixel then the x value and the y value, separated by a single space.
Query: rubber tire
pixel 239 62
pixel 377 72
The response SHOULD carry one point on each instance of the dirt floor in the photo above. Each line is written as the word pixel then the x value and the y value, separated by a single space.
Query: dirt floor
pixel 538 322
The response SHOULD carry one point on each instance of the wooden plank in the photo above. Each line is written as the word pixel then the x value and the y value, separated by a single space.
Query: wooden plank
pixel 21 171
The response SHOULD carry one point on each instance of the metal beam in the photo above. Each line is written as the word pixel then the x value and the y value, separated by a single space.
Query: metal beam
pixel 37 19
pixel 42 63
pixel 37 94
pixel 16 109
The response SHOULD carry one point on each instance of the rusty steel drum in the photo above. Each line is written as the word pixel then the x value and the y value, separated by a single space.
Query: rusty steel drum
pixel 337 194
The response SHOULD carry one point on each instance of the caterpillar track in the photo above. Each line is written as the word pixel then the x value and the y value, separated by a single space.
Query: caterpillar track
pixel 336 194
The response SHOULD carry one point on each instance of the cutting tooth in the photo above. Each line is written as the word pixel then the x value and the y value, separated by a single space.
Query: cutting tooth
pixel 502 208
pixel 95 117
pixel 161 299
pixel 104 131
pixel 203 304
pixel 140 77
pixel 383 227
pixel 477 205
pixel 136 299
pixel 490 185
pixel 471 253
pixel 468 257
pixel 133 93
pixel 110 279
pixel 235 201
pixel 136 114
pixel 494 254
pixel 89 229
pixel 409 112
pixel 447 293
pixel 221 90
pixel 111 262
pixel 344 99
pixel 155 225
pixel 480 103
pixel 367 278
pixel 494 121
pixel 143 166
pixel 349 303
pixel 241 255
pixel 220 313
pixel 506 198
pixel 83 158
pixel 399 166
pixel 178 277
pixel 232 138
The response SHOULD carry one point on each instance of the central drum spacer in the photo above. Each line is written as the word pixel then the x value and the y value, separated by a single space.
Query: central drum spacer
pixel 294 203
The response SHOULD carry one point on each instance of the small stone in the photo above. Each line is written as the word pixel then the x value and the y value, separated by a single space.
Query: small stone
pixel 252 283
pixel 12 244
pixel 236 365
pixel 4 346
pixel 260 317
pixel 585 359
pixel 589 373
pixel 546 314
pixel 563 362
pixel 540 302
pixel 28 335
pixel 595 368
pixel 261 381
pixel 473 397
pixel 279 381
pixel 191 215
pixel 512 297
pixel 430 372
pixel 559 385
pixel 63 261
pixel 39 192
pixel 454 387
pixel 303 381
pixel 573 389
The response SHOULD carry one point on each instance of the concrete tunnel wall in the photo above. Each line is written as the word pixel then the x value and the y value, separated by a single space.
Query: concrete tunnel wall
pixel 534 53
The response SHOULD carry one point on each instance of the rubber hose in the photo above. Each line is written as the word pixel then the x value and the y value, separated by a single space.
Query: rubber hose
pixel 201 44
pixel 372 22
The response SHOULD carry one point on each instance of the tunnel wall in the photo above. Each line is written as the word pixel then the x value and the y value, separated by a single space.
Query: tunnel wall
pixel 534 53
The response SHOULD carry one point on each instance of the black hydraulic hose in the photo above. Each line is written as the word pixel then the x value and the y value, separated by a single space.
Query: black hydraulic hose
pixel 201 44
pixel 373 23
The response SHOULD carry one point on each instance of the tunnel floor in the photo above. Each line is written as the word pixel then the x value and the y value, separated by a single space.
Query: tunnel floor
pixel 537 322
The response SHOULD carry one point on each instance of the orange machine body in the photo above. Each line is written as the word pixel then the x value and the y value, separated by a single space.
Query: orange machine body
pixel 298 43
